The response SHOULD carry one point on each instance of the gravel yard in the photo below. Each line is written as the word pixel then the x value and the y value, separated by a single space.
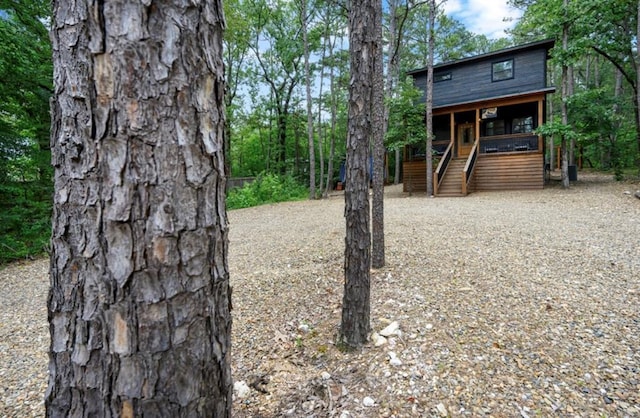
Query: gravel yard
pixel 509 304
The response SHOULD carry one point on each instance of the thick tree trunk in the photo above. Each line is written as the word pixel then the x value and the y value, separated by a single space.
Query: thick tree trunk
pixel 139 299
pixel 378 130
pixel 355 326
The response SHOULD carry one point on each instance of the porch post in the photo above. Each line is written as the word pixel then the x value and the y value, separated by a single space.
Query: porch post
pixel 540 122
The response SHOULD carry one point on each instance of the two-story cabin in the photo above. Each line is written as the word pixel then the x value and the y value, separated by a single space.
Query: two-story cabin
pixel 485 109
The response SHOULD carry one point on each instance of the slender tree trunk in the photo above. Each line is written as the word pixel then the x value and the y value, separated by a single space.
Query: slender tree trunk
pixel 378 130
pixel 570 88
pixel 563 106
pixel 139 299
pixel 307 77
pixel 355 326
pixel 429 100
pixel 321 131
pixel 334 116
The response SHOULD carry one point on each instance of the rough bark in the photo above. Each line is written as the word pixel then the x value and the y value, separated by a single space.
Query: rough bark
pixel 429 99
pixel 355 325
pixel 307 78
pixel 378 129
pixel 334 117
pixel 563 104
pixel 139 299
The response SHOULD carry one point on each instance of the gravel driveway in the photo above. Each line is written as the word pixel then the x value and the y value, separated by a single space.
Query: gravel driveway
pixel 508 304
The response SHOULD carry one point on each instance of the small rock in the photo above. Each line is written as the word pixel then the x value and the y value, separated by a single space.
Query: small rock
pixel 325 376
pixel 378 340
pixel 395 362
pixel 627 192
pixel 303 328
pixel 345 414
pixel 637 194
pixel 367 401
pixel 442 409
pixel 429 326
pixel 391 329
pixel 607 400
pixel 241 389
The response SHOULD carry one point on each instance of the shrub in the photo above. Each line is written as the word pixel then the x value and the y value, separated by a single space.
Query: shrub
pixel 267 188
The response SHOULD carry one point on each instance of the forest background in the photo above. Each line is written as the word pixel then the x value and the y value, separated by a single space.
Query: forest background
pixel 292 138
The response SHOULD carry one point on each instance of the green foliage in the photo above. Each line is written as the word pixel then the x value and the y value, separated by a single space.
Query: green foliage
pixel 267 188
pixel 26 183
pixel 406 119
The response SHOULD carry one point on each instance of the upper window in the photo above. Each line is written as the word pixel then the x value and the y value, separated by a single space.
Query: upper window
pixel 502 70
pixel 441 77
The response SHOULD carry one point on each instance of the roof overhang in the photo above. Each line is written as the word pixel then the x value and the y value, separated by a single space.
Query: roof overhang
pixel 495 101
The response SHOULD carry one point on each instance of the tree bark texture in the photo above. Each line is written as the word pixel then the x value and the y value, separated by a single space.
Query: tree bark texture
pixel 139 304
pixel 564 170
pixel 429 99
pixel 357 261
pixel 378 130
pixel 307 77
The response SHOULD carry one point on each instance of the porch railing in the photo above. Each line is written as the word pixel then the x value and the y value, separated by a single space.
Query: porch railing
pixel 442 168
pixel 509 143
pixel 467 173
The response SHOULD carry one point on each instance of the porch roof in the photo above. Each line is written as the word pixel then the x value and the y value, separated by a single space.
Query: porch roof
pixel 488 101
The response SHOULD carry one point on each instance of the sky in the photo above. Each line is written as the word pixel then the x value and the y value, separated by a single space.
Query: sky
pixel 483 16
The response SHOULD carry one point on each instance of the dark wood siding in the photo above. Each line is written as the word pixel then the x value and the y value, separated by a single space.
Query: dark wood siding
pixel 472 81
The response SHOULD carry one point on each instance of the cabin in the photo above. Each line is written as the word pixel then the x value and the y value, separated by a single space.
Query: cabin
pixel 485 111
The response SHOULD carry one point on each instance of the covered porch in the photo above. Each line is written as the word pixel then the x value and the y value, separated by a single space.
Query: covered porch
pixel 465 134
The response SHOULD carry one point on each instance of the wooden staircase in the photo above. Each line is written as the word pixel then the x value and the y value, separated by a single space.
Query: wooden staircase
pixel 451 184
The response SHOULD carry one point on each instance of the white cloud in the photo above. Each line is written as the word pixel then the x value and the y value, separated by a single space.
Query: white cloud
pixel 483 16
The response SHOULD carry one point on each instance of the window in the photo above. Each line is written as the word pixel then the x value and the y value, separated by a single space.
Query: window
pixel 495 127
pixel 522 125
pixel 502 70
pixel 441 77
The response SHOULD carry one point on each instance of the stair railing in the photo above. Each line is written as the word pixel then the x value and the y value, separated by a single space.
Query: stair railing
pixel 442 168
pixel 469 167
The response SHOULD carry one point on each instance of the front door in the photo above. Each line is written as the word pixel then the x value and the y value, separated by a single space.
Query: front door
pixel 466 137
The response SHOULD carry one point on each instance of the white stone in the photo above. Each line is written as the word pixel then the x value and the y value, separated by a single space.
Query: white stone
pixel 395 361
pixel 241 389
pixel 303 328
pixel 442 409
pixel 367 401
pixel 345 414
pixel 378 340
pixel 325 376
pixel 391 329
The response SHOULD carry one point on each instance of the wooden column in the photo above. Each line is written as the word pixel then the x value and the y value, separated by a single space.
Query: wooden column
pixel 540 122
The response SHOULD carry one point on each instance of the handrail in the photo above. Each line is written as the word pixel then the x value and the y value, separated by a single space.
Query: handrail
pixel 442 168
pixel 469 166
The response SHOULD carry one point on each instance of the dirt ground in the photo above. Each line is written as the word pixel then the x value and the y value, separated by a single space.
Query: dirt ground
pixel 502 304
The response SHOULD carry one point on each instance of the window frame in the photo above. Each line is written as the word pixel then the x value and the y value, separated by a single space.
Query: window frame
pixel 495 78
pixel 439 78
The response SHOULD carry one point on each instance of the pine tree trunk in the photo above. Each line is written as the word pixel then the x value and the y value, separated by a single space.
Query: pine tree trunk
pixel 139 299
pixel 378 130
pixel 355 325
pixel 429 99
pixel 307 76
pixel 563 104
